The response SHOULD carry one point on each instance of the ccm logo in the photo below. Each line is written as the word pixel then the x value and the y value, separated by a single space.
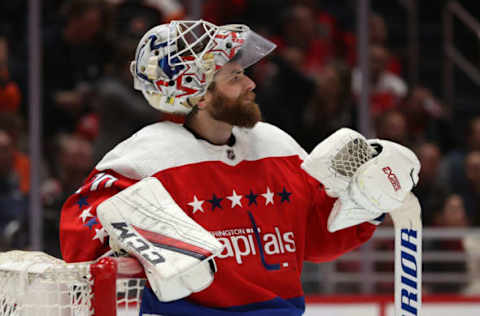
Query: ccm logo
pixel 392 178
pixel 132 239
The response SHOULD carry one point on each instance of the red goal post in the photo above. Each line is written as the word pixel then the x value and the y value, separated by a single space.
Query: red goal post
pixel 34 284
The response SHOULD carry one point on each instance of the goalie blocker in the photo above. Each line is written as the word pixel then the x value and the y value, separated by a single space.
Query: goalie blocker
pixel 176 253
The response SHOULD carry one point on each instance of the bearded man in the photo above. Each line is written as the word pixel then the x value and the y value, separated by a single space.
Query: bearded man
pixel 222 210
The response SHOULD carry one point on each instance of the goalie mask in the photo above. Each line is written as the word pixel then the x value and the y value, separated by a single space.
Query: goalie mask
pixel 175 63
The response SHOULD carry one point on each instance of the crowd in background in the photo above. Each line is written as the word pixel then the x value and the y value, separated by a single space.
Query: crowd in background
pixel 309 87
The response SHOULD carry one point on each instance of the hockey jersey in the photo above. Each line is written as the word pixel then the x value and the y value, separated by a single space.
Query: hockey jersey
pixel 251 195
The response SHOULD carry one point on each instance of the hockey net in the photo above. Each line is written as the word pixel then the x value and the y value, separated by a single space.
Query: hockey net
pixel 34 284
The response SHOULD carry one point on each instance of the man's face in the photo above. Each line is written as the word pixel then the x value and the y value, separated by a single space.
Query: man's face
pixel 378 60
pixel 454 212
pixel 89 24
pixel 328 88
pixel 394 127
pixel 430 157
pixel 233 100
pixel 378 29
pixel 302 27
pixel 76 155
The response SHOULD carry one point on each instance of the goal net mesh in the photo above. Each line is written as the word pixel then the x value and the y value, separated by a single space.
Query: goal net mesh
pixel 34 283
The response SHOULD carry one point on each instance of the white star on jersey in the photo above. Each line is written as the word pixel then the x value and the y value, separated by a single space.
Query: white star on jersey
pixel 268 196
pixel 196 204
pixel 100 234
pixel 85 214
pixel 235 199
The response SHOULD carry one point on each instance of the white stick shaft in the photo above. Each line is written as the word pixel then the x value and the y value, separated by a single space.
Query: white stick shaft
pixel 408 258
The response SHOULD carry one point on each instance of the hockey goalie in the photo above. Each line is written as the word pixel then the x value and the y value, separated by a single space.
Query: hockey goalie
pixel 223 209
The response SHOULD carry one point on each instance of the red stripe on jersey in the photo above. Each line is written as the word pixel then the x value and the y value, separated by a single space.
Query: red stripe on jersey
pixel 175 243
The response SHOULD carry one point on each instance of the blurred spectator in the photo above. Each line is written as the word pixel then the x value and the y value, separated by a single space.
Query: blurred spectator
pixel 12 124
pixel 301 42
pixel 426 116
pixel 330 107
pixel 387 89
pixel 10 95
pixel 378 29
pixel 452 169
pixel 73 160
pixel 223 12
pixel 326 24
pixel 12 21
pixel 77 52
pixel 451 215
pixel 300 56
pixel 89 125
pixel 378 33
pixel 429 189
pixel 392 125
pixel 121 110
pixel 284 96
pixel 471 193
pixel 132 18
pixel 13 197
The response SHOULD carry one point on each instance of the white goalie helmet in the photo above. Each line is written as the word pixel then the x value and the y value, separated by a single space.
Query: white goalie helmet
pixel 175 62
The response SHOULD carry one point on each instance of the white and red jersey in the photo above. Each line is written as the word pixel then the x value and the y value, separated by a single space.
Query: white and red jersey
pixel 252 196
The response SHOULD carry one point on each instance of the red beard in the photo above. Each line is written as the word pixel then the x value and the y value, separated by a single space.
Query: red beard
pixel 242 111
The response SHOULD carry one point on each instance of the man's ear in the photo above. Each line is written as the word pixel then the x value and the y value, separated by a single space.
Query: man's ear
pixel 204 100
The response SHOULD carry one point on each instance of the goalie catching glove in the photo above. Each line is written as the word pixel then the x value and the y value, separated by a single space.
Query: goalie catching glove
pixel 176 253
pixel 369 177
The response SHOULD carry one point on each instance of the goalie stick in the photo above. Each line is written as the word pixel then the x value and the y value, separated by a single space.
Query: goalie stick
pixel 408 258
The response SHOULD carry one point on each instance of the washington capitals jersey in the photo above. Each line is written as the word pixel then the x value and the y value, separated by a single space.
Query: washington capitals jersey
pixel 269 214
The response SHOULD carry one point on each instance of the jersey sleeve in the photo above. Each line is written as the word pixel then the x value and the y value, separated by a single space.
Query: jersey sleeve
pixel 82 237
pixel 321 245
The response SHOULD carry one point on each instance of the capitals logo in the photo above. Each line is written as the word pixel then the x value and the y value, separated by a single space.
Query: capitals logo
pixel 241 242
